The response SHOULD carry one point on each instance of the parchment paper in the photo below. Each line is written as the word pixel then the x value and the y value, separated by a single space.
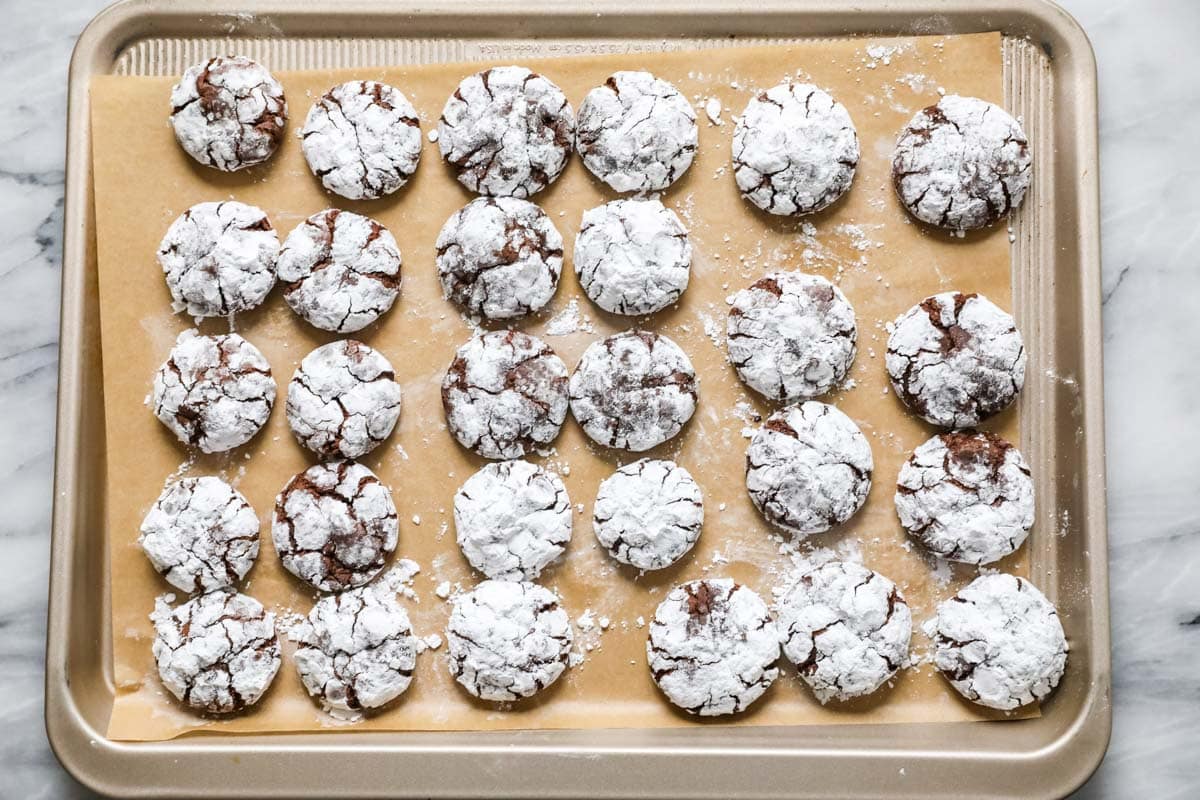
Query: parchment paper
pixel 882 260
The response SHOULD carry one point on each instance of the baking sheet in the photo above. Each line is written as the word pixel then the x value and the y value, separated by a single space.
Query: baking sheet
pixel 866 242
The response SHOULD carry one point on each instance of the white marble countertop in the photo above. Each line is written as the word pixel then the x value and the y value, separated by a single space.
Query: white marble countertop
pixel 1150 206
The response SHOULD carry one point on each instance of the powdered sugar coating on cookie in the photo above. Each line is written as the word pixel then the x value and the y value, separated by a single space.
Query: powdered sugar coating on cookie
pixel 713 647
pixel 636 132
pixel 505 394
pixel 794 150
pixel 962 164
pixel 201 534
pixel 507 131
pixel 808 468
pixel 213 392
pixel 847 629
pixel 218 652
pixel 512 520
pixel 343 401
pixel 219 259
pixel 956 359
pixel 966 496
pixel 499 257
pixel 356 649
pixel 633 390
pixel 648 514
pixel 632 256
pixel 335 525
pixel 228 113
pixel 508 640
pixel 342 270
pixel 362 139
pixel 999 642
pixel 791 336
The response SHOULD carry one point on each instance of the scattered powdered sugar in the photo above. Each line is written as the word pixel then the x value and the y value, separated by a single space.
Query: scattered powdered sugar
pixel 712 110
pixel 568 321
pixel 648 514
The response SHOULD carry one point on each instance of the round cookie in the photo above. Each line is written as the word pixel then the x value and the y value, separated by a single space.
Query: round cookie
pixel 362 139
pixel 505 394
pixel 847 629
pixel 219 259
pixel 507 640
pixel 356 649
pixel 648 514
pixel 343 401
pixel 633 390
pixel 966 496
pixel 713 647
pixel 335 525
pixel 201 534
pixel 791 336
pixel 632 256
pixel 636 132
pixel 999 642
pixel 213 392
pixel 794 150
pixel 956 359
pixel 961 164
pixel 512 519
pixel 808 468
pixel 218 652
pixel 228 113
pixel 341 270
pixel 507 132
pixel 499 257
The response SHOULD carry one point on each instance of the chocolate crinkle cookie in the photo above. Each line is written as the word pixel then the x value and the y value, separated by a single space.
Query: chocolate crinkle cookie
pixel 956 359
pixel 794 150
pixel 633 391
pixel 228 113
pixel 356 649
pixel 847 629
pixel 219 259
pixel 499 257
pixel 343 401
pixel 999 642
pixel 713 647
pixel 213 392
pixel 648 514
pixel 201 534
pixel 967 496
pixel 791 336
pixel 636 132
pixel 507 640
pixel 507 131
pixel 632 256
pixel 505 394
pixel 512 520
pixel 961 164
pixel 808 468
pixel 335 525
pixel 218 652
pixel 362 139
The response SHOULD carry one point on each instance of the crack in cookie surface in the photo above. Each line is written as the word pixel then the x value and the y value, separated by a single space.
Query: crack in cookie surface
pixel 213 392
pixel 808 468
pixel 636 132
pixel 335 525
pixel 791 336
pixel 648 514
pixel 341 270
pixel 343 400
pixel 362 139
pixel 508 640
pixel 633 390
pixel 499 257
pixel 228 113
pixel 201 534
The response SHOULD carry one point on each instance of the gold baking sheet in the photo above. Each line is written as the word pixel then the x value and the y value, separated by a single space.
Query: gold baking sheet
pixel 866 242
